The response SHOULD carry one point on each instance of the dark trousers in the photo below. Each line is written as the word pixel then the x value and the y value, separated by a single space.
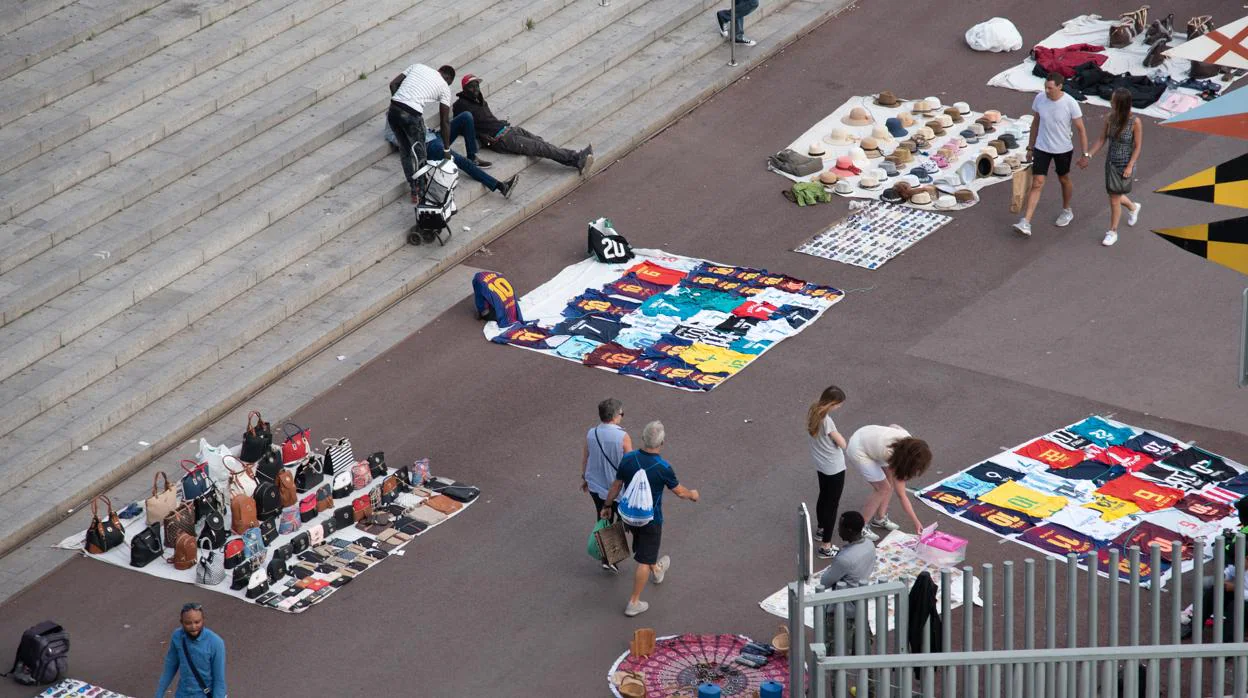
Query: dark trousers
pixel 599 503
pixel 409 130
pixel 830 487
pixel 744 7
pixel 1228 608
pixel 518 141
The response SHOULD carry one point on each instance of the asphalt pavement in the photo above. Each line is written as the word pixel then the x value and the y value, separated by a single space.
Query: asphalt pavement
pixel 974 339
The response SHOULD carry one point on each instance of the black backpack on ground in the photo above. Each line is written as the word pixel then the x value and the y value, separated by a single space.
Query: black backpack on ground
pixel 268 501
pixel 42 655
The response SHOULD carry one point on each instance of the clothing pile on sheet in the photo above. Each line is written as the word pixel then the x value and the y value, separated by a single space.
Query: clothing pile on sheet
pixel 1083 52
pixel 919 153
pixel 278 525
pixel 896 559
pixel 1098 485
pixel 678 664
pixel 873 234
pixel 679 321
pixel 76 688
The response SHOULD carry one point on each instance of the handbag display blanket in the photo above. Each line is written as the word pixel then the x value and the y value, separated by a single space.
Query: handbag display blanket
pixel 1097 485
pixel 1092 29
pixel 74 687
pixel 741 327
pixel 880 114
pixel 120 555
pixel 895 560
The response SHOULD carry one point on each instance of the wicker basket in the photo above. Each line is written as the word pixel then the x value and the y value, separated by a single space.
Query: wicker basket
pixel 781 640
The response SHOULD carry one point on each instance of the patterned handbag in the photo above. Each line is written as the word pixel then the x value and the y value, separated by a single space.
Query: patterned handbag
pixel 297 445
pixel 361 475
pixel 210 569
pixel 377 464
pixel 324 498
pixel 253 543
pixel 180 520
pixel 338 455
pixel 288 522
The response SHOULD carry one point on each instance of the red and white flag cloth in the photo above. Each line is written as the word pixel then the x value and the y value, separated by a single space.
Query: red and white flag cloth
pixel 1221 494
pixel 1225 46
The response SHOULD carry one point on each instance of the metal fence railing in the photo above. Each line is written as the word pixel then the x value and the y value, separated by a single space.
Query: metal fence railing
pixel 1041 633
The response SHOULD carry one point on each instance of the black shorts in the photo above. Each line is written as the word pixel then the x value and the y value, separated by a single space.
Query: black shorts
pixel 1041 159
pixel 646 542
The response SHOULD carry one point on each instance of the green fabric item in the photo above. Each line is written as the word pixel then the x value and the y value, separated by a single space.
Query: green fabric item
pixel 593 549
pixel 810 193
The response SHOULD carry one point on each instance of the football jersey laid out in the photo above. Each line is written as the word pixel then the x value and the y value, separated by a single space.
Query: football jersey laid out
pixel 1076 490
pixel 1058 540
pixel 950 499
pixel 632 286
pixel 1012 495
pixel 668 304
pixel 651 323
pixel 1119 455
pixel 1090 523
pixel 1111 508
pixel 1050 454
pixel 750 346
pixel 712 337
pixel 656 274
pixel 737 325
pixel 1069 439
pixel 1178 479
pixel 1145 534
pixel 709 319
pixel 716 283
pixel 1124 564
pixel 576 347
pixel 1183 523
pixel 1101 432
pixel 1148 496
pixel 495 299
pixel 968 486
pixel 721 360
pixel 1204 508
pixel 611 355
pixel 594 301
pixel 1003 521
pixel 796 316
pixel 637 338
pixel 754 309
pixel 600 328
pixel 667 347
pixel 827 293
pixel 1087 470
pixel 1152 445
pixel 1221 494
pixel 524 334
pixel 705 299
pixel 995 474
pixel 1202 463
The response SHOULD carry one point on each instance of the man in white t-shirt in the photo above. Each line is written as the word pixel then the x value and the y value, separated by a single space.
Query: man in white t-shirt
pixel 1056 114
pixel 414 93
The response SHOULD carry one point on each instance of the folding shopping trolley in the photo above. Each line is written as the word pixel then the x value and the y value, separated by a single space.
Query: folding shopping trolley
pixel 437 182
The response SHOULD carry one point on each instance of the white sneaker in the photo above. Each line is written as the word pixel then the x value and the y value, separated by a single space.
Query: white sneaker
pixel 1134 214
pixel 885 523
pixel 870 535
pixel 1023 226
pixel 1110 238
pixel 660 569
pixel 636 609
pixel 1064 218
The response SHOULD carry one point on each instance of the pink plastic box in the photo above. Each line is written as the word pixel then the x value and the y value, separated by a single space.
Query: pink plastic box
pixel 942 549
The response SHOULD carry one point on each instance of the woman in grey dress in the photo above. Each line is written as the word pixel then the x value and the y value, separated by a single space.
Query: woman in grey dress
pixel 1124 134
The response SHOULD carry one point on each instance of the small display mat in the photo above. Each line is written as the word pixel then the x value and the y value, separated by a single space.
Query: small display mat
pixel 680 663
pixel 1092 29
pixel 1097 485
pixel 874 234
pixel 339 567
pixel 74 687
pixel 678 321
pixel 879 115
pixel 895 560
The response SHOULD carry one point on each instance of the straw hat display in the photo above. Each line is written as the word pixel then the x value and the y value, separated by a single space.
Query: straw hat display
pixel 881 133
pixel 945 201
pixel 828 177
pixel 839 136
pixel 887 99
pixel 859 157
pixel 906 118
pixel 921 198
pixel 868 181
pixel 844 188
pixel 845 167
pixel 858 116
pixel 815 150
pixel 955 116
pixel 871 148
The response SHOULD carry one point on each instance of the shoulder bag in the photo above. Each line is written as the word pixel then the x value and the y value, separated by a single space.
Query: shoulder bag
pixel 198 679
pixel 289 521
pixel 242 508
pixel 244 477
pixel 163 499
pixel 212 534
pixel 361 475
pixel 297 445
pixel 145 546
pixel 195 481
pixel 257 439
pixel 309 472
pixel 235 553
pixel 210 570
pixel 180 520
pixel 377 464
pixel 338 455
pixel 324 498
pixel 307 507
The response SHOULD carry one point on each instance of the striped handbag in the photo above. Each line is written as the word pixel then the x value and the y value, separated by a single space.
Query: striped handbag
pixel 338 456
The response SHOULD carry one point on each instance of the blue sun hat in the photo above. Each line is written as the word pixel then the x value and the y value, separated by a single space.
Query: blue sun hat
pixel 894 127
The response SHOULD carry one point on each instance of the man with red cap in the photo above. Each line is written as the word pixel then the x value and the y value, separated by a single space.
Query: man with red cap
pixel 501 136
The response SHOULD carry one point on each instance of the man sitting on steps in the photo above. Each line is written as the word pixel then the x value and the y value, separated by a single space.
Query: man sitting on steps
pixel 499 135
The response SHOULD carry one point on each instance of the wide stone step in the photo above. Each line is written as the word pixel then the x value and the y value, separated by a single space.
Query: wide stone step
pixel 65 266
pixel 141 279
pixel 144 65
pixel 56 31
pixel 290 68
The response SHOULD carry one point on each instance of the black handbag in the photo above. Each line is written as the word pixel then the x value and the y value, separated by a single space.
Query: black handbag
pixel 299 543
pixel 213 532
pixel 106 533
pixel 310 472
pixel 268 532
pixel 344 517
pixel 268 500
pixel 328 526
pixel 210 502
pixel 146 546
pixel 257 440
pixel 283 552
pixel 461 493
pixel 276 569
pixel 377 464
pixel 268 466
pixel 243 571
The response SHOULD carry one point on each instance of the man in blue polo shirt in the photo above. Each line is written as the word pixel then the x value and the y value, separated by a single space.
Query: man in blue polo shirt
pixel 197 656
pixel 646 539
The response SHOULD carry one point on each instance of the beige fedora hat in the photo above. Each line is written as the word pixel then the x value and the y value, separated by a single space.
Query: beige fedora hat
pixel 858 116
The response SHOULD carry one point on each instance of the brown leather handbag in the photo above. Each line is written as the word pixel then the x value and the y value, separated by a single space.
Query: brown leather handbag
pixel 286 490
pixel 444 504
pixel 242 509
pixel 1138 18
pixel 1121 34
pixel 180 520
pixel 185 552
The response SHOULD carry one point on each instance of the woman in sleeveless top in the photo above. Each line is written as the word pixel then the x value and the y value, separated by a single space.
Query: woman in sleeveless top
pixel 1124 135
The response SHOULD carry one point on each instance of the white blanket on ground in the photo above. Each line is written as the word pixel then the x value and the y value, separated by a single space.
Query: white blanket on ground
pixel 880 114
pixel 1091 29
pixel 896 560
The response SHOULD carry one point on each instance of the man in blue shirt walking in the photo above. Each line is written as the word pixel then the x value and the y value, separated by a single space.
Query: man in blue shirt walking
pixel 646 539
pixel 197 656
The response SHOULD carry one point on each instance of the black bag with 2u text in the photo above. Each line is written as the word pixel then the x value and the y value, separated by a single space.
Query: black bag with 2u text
pixel 606 245
pixel 42 655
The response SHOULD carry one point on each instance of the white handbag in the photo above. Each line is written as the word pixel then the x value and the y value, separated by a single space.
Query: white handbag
pixel 243 477
pixel 214 457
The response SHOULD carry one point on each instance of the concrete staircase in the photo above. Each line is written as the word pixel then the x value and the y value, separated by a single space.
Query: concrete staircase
pixel 195 197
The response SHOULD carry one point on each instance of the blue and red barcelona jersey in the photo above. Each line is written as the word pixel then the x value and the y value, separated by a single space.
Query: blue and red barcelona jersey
pixel 495 298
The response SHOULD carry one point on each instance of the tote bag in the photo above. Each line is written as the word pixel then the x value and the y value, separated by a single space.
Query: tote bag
pixel 637 505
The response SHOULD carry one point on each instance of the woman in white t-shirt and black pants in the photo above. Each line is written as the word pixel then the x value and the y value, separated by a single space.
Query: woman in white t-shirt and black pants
pixel 827 450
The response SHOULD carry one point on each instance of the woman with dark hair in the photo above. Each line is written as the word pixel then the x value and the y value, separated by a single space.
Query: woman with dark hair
pixel 827 450
pixel 1124 132
pixel 887 457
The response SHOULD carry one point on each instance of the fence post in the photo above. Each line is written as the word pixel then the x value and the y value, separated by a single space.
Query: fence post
pixel 1072 610
pixel 1130 687
pixel 1030 675
pixel 1094 631
pixel 1050 631
pixel 946 637
pixel 732 33
pixel 1197 619
pixel 968 636
pixel 1007 596
pixel 1219 563
pixel 1237 632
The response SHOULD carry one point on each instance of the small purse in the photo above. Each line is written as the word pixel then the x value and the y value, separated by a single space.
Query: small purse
pixel 377 465
pixel 212 534
pixel 145 546
pixel 328 526
pixel 257 439
pixel 299 543
pixel 461 493
pixel 289 521
pixel 316 536
pixel 235 553
pixel 344 517
pixel 361 475
pixel 257 584
pixel 162 501
pixel 253 543
pixel 242 573
pixel 344 484
pixel 297 445
pixel 307 508
pixel 444 504
pixel 185 552
pixel 268 531
pixel 180 520
pixel 361 508
pixel 276 570
pixel 324 498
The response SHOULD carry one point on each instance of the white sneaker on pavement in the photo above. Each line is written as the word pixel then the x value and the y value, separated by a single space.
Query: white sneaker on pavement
pixel 660 569
pixel 1023 226
pixel 1110 238
pixel 1064 218
pixel 870 535
pixel 1134 214
pixel 635 609
pixel 885 523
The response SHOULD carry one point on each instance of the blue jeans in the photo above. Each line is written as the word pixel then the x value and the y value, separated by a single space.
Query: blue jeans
pixel 437 151
pixel 462 126
pixel 744 7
